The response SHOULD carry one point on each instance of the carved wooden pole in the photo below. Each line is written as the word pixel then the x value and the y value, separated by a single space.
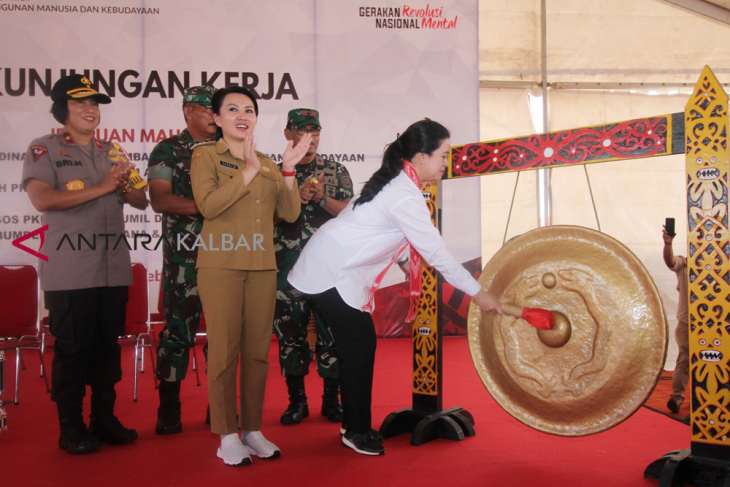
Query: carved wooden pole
pixel 708 263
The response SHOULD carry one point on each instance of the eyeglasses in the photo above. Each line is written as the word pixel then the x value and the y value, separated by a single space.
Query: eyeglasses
pixel 314 132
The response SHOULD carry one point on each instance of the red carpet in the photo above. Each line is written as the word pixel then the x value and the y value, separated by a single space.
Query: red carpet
pixel 503 453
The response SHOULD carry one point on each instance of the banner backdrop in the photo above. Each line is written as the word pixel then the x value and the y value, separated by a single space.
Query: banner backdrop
pixel 371 68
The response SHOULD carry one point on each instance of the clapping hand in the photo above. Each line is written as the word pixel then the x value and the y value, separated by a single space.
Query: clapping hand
pixel 307 190
pixel 249 154
pixel 293 154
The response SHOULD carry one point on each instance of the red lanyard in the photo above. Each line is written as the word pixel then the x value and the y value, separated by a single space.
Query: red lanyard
pixel 415 264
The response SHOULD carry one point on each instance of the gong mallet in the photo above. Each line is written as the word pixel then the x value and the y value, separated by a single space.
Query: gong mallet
pixel 541 319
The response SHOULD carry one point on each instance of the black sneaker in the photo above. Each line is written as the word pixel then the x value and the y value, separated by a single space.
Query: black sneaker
pixel 363 443
pixel 375 433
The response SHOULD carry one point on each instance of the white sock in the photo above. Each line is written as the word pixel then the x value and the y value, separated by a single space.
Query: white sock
pixel 257 445
pixel 232 451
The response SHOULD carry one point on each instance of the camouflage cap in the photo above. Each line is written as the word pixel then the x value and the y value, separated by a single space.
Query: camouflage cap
pixel 299 117
pixel 200 95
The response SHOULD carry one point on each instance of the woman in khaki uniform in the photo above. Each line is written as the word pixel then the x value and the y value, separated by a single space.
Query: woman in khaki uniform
pixel 238 190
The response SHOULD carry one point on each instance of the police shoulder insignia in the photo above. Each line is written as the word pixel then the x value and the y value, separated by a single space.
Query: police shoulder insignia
pixel 98 145
pixel 65 154
pixel 117 154
pixel 73 185
pixel 67 138
pixel 38 151
pixel 197 154
pixel 266 169
pixel 227 164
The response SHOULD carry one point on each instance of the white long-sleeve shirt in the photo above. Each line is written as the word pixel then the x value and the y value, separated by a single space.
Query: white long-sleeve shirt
pixel 350 251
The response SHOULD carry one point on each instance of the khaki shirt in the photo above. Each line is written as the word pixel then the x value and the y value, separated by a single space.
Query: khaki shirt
pixel 80 241
pixel 238 231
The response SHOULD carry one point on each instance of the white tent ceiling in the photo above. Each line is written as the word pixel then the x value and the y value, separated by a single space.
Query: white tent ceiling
pixel 720 3
pixel 714 9
pixel 650 41
pixel 647 55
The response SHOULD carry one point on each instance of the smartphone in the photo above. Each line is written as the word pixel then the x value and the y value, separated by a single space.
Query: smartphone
pixel 669 225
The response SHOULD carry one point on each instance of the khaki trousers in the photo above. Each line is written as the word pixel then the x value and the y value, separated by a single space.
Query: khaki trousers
pixel 681 369
pixel 239 312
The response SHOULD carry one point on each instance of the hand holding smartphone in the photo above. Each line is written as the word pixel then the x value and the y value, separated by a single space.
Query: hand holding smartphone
pixel 669 225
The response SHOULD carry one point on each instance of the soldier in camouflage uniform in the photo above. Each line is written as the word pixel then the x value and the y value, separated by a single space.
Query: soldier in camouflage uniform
pixel 171 194
pixel 325 189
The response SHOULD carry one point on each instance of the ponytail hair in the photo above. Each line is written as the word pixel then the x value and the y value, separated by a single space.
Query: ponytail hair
pixel 424 136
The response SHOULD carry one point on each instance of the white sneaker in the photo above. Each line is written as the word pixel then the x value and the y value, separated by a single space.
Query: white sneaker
pixel 232 452
pixel 255 444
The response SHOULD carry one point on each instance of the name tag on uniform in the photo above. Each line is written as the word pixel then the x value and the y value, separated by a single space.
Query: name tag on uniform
pixel 228 165
pixel 73 185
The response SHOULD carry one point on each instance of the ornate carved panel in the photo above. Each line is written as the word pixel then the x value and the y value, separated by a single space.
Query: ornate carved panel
pixel 708 263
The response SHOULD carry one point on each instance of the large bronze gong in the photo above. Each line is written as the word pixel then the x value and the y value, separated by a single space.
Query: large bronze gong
pixel 607 349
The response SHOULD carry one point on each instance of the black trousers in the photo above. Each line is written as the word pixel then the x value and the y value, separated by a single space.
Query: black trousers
pixel 86 324
pixel 354 335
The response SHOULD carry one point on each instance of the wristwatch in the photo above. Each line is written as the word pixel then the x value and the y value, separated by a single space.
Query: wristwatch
pixel 323 200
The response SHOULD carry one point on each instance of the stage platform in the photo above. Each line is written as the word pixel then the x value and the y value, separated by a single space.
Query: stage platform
pixel 504 453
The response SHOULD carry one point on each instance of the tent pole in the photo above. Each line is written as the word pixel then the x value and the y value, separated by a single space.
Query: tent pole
pixel 544 196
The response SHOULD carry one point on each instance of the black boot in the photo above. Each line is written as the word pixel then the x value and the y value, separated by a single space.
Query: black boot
pixel 331 406
pixel 169 414
pixel 103 423
pixel 298 409
pixel 75 437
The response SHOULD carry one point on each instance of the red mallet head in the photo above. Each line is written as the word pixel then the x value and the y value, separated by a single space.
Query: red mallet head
pixel 541 319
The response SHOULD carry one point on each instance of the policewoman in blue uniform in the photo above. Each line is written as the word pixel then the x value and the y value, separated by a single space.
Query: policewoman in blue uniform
pixel 80 185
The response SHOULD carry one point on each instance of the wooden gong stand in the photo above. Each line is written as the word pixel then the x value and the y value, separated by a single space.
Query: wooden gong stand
pixel 701 133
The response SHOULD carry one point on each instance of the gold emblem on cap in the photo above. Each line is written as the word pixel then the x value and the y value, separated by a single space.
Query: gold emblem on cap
pixel 83 92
